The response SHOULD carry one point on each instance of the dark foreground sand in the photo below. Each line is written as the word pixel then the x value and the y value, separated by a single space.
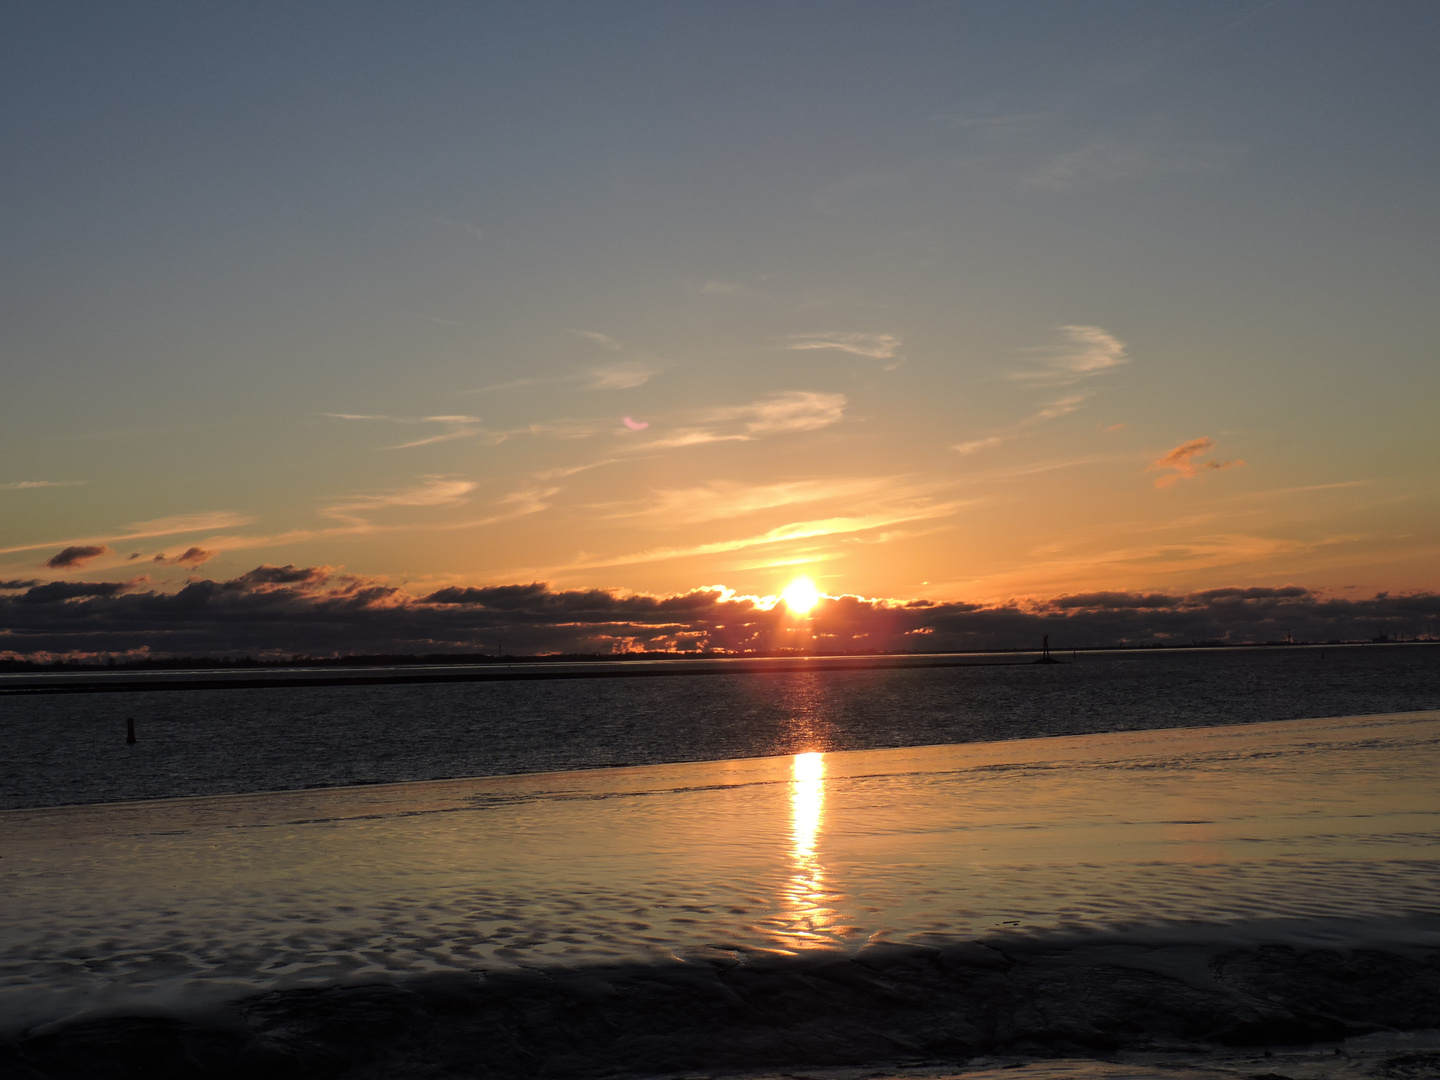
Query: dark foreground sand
pixel 888 1009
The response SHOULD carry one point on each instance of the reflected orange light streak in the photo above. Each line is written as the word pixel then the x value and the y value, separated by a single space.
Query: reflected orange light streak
pixel 805 900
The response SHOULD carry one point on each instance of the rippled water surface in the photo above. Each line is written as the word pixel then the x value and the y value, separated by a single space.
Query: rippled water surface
pixel 71 749
pixel 1309 824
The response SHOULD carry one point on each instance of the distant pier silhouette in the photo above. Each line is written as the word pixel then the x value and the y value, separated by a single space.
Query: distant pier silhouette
pixel 1045 657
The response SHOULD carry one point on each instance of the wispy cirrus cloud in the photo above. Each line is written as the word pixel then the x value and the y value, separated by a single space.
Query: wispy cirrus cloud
pixel 616 375
pixel 916 510
pixel 872 346
pixel 1088 351
pixel 980 444
pixel 1183 462
pixel 605 341
pixel 430 492
pixel 1051 410
pixel 452 426
pixel 623 375
pixel 142 530
pixel 26 485
pixel 722 499
pixel 782 413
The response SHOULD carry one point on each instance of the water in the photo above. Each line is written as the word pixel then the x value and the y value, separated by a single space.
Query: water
pixel 1137 865
pixel 1159 851
pixel 70 749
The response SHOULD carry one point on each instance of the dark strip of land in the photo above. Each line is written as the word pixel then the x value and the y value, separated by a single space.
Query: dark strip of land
pixel 522 673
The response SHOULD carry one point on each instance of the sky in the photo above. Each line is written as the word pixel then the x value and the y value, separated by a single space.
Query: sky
pixel 981 306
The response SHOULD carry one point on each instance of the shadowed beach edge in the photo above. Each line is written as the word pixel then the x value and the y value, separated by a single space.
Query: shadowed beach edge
pixel 890 1006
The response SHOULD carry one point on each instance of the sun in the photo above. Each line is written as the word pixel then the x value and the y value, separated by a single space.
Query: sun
pixel 800 595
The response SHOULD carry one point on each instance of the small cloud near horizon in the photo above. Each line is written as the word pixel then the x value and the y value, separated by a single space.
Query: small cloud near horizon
pixel 76 556
pixel 194 556
pixel 1183 462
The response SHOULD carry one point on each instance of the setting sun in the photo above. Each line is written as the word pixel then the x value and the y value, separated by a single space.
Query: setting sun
pixel 800 595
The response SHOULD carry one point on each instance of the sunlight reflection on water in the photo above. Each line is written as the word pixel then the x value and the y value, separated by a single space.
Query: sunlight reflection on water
pixel 809 916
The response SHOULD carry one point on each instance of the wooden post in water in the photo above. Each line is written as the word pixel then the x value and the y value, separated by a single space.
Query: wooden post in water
pixel 130 730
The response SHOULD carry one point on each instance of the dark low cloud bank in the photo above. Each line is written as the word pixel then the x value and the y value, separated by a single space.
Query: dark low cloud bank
pixel 317 611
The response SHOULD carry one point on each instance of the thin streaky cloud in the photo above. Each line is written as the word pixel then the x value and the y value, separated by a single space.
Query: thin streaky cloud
pixel 871 346
pixel 980 444
pixel 25 485
pixel 459 426
pixel 1302 489
pixel 800 530
pixel 142 530
pixel 1053 410
pixel 1056 409
pixel 448 436
pixel 1119 564
pixel 518 505
pixel 689 437
pixel 1035 468
pixel 456 419
pixel 789 411
pixel 1087 352
pixel 621 375
pixel 431 491
pixel 624 375
pixel 571 470
pixel 721 499
pixel 605 341
pixel 784 413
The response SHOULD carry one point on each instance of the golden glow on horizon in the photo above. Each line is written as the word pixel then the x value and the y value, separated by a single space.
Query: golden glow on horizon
pixel 800 596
